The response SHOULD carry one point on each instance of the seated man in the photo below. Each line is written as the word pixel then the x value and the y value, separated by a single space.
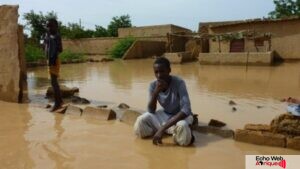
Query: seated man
pixel 176 116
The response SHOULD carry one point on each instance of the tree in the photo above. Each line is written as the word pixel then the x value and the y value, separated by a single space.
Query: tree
pixel 100 31
pixel 75 31
pixel 118 22
pixel 36 22
pixel 88 33
pixel 285 8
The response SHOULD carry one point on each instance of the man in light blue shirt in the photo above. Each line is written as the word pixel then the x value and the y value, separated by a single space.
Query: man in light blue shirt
pixel 176 116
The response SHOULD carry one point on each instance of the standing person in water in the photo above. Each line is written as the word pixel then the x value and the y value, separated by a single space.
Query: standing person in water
pixel 176 116
pixel 53 47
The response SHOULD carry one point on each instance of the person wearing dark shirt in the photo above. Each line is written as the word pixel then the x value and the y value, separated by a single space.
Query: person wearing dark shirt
pixel 53 47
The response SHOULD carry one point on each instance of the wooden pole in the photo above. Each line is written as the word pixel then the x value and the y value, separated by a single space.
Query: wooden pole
pixel 168 42
pixel 247 59
pixel 270 43
pixel 219 43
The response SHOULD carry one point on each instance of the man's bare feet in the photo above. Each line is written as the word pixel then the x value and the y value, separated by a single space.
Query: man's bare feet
pixel 55 107
pixel 192 140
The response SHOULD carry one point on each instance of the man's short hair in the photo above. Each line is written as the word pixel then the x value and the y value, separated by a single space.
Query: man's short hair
pixel 53 20
pixel 163 61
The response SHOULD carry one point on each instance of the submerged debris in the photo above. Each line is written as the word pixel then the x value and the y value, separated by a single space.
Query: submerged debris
pixel 73 110
pixel 48 106
pixel 102 106
pixel 99 114
pixel 79 100
pixel 216 123
pixel 226 133
pixel 130 116
pixel 65 91
pixel 123 106
pixel 284 131
pixel 286 124
pixel 259 107
pixel 231 103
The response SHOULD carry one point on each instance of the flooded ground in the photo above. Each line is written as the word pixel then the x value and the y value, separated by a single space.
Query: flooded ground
pixel 31 137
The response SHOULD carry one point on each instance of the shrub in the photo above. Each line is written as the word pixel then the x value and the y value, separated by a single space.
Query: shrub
pixel 67 56
pixel 34 53
pixel 121 47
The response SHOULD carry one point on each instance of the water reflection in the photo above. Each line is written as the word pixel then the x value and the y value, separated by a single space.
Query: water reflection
pixel 275 82
pixel 13 143
pixel 120 75
pixel 210 87
pixel 35 138
pixel 165 156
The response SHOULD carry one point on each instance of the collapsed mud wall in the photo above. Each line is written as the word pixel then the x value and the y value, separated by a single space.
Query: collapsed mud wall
pixel 145 49
pixel 12 57
pixel 102 45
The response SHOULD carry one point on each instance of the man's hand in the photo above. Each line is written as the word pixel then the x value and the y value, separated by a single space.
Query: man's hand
pixel 157 138
pixel 172 121
pixel 161 86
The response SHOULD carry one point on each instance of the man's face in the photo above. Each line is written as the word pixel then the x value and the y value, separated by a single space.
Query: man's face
pixel 52 28
pixel 161 72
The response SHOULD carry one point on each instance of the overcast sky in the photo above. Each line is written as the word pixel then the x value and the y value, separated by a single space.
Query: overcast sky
pixel 186 13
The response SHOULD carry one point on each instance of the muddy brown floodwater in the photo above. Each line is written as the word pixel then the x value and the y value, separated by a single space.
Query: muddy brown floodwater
pixel 31 137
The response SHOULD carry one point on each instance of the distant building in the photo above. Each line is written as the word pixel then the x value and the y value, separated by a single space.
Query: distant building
pixel 152 31
pixel 253 41
pixel 156 33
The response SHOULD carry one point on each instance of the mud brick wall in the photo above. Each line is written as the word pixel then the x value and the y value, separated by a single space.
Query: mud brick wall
pixel 12 59
pixel 285 37
pixel 151 31
pixel 99 46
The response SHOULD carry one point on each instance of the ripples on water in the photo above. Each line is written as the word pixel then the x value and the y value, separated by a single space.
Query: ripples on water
pixel 31 137
pixel 210 87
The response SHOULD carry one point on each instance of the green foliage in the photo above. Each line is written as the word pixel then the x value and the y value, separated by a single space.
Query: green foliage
pixel 100 31
pixel 285 8
pixel 89 33
pixel 75 31
pixel 36 22
pixel 68 56
pixel 118 22
pixel 34 53
pixel 121 47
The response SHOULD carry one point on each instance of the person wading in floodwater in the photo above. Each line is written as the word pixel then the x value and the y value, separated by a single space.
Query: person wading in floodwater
pixel 53 47
pixel 176 116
